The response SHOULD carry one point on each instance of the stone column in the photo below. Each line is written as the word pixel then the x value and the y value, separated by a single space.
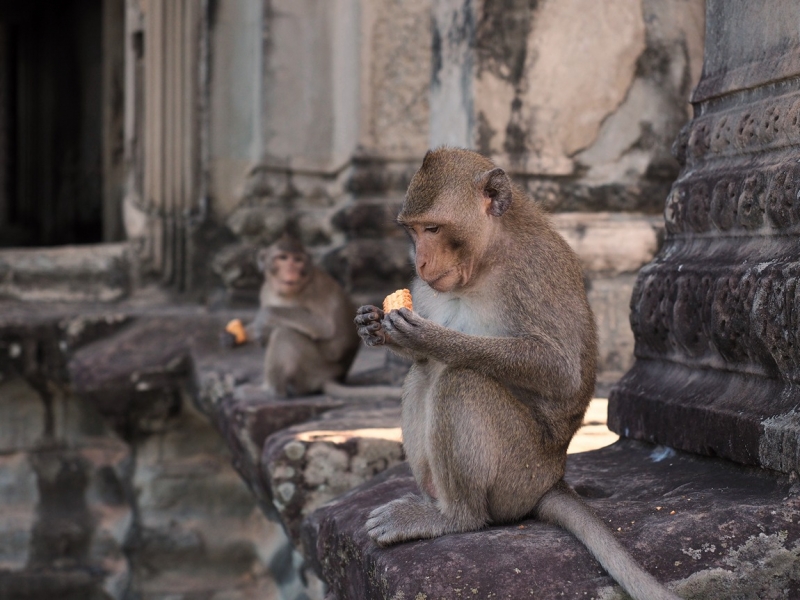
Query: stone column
pixel 716 314
pixel 164 133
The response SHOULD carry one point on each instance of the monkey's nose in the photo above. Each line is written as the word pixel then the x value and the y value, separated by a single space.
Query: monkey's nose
pixel 422 266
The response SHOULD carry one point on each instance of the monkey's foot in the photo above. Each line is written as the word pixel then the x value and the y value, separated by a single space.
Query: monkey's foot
pixel 408 518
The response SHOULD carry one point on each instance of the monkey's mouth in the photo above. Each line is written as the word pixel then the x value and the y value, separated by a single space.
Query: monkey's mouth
pixel 444 282
pixel 288 286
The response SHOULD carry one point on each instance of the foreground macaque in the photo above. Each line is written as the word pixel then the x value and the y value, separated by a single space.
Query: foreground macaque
pixel 305 320
pixel 504 345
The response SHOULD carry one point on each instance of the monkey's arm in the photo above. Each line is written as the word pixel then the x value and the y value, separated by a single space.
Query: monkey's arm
pixel 258 330
pixel 298 318
pixel 535 361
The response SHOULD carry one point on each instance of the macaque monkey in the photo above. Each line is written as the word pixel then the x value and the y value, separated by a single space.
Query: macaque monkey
pixel 504 346
pixel 305 320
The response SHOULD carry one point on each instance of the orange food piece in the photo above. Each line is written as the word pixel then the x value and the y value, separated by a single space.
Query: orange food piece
pixel 398 299
pixel 236 328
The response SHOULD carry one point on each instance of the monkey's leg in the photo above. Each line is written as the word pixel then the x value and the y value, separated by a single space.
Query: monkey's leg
pixel 293 365
pixel 487 459
pixel 490 458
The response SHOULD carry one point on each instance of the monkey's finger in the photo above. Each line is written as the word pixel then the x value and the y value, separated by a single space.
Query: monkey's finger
pixel 401 320
pixel 368 309
pixel 367 314
pixel 409 316
pixel 369 328
pixel 371 338
pixel 388 325
pixel 375 340
pixel 366 319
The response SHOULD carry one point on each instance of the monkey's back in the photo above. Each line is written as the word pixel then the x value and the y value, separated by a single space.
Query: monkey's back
pixel 546 294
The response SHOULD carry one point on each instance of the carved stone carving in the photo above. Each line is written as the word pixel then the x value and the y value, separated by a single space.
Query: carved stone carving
pixel 716 314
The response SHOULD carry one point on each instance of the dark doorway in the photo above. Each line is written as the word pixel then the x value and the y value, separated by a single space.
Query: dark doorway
pixel 51 122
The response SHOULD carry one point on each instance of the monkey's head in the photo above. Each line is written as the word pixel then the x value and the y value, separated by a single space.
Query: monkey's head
pixel 452 213
pixel 286 264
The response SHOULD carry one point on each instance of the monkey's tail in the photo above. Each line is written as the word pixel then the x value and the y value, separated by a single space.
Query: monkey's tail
pixel 340 390
pixel 562 506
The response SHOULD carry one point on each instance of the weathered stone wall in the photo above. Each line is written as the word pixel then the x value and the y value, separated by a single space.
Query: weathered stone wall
pixel 580 104
pixel 582 99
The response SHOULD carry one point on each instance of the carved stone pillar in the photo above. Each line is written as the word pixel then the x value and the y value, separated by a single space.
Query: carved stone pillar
pixel 716 314
pixel 164 125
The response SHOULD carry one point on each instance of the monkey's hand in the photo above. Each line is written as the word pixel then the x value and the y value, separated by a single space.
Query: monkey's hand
pixel 408 329
pixel 227 339
pixel 368 324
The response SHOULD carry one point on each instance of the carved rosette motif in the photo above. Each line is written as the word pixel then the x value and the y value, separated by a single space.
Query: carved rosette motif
pixel 718 310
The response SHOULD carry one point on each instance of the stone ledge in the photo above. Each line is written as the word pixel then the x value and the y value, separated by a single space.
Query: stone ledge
pixel 247 423
pixel 97 273
pixel 708 528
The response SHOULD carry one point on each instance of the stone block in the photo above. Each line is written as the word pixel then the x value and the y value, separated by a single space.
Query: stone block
pixel 313 463
pixel 237 267
pixel 66 274
pixel 19 495
pixel 200 531
pixel 371 266
pixel 248 418
pixel 134 377
pixel 395 83
pixel 22 415
pixel 370 219
pixel 706 528
pixel 610 243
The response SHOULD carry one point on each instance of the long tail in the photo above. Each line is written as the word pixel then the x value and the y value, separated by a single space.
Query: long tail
pixel 562 506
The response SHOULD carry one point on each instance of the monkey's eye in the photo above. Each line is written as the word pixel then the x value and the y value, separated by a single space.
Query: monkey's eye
pixel 432 229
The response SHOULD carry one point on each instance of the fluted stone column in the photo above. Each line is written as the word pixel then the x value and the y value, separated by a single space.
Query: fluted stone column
pixel 716 314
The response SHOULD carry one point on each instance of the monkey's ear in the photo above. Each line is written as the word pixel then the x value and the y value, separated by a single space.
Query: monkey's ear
pixel 496 188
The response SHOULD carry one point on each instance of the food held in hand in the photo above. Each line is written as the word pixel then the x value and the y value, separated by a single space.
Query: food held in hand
pixel 398 299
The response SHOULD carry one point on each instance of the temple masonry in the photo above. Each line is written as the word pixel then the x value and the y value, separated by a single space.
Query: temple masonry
pixel 148 147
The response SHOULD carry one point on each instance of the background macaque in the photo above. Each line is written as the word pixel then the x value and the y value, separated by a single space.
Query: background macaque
pixel 503 344
pixel 305 320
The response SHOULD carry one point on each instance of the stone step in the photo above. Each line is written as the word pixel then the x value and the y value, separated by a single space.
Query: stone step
pixel 91 273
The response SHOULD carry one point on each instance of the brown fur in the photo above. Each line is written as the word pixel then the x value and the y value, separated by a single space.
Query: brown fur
pixel 504 348
pixel 307 328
